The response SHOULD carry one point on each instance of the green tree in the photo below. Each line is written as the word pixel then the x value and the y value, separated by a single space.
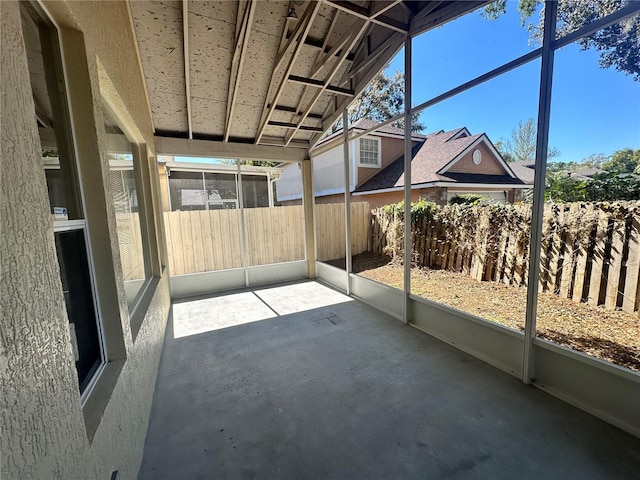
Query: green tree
pixel 625 160
pixel 522 143
pixel 604 187
pixel 595 160
pixel 502 149
pixel 611 186
pixel 381 99
pixel 561 187
pixel 252 163
pixel 617 44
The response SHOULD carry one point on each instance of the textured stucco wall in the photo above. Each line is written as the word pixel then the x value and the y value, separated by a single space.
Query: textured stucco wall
pixel 42 429
pixel 109 37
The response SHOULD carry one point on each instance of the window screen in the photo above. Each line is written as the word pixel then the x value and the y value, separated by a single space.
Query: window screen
pixel 255 189
pixel 187 191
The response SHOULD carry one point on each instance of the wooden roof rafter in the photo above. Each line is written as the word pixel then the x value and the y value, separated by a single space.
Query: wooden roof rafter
pixel 239 54
pixel 187 67
pixel 299 36
pixel 333 48
pixel 352 40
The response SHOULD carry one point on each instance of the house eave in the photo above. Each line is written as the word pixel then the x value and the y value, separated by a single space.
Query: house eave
pixel 447 184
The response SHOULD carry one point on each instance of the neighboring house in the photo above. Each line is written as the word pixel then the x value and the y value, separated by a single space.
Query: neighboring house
pixel 207 186
pixel 525 170
pixel 444 164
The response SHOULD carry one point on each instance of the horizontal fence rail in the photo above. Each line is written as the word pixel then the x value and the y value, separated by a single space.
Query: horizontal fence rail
pixel 204 241
pixel 590 251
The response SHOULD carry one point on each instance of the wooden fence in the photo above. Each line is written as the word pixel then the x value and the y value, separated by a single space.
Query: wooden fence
pixel 590 252
pixel 130 245
pixel 330 230
pixel 201 241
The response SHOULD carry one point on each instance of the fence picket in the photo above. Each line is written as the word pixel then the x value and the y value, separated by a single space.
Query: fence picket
pixel 557 250
pixel 501 253
pixel 597 262
pixel 546 246
pixel 615 263
pixel 582 259
pixel 179 253
pixel 631 295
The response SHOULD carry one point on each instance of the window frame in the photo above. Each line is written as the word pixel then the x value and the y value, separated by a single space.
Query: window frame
pixel 137 309
pixel 378 163
pixel 81 225
pixel 50 42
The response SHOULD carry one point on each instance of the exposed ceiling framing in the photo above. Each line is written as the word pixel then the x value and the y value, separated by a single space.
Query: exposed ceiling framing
pixel 271 73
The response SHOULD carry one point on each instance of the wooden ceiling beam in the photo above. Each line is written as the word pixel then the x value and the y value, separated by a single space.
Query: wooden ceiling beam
pixel 363 13
pixel 303 28
pixel 396 41
pixel 307 128
pixel 242 40
pixel 353 39
pixel 185 46
pixel 282 108
pixel 378 8
pixel 441 13
pixel 312 82
pixel 183 147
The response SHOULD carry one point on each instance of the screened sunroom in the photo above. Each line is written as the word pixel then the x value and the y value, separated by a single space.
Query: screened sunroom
pixel 237 337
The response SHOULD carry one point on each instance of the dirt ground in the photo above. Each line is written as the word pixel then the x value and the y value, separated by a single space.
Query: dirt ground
pixel 613 336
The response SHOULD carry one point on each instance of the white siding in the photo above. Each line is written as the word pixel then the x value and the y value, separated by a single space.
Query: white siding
pixel 289 185
pixel 328 176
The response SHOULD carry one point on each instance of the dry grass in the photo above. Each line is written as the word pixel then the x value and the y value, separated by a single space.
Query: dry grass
pixel 610 335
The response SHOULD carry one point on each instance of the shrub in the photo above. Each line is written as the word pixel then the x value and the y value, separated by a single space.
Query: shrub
pixel 468 199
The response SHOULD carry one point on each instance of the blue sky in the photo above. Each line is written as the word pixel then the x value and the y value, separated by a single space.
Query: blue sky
pixel 593 110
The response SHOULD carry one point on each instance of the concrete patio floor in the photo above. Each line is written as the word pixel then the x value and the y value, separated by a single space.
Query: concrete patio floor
pixel 302 382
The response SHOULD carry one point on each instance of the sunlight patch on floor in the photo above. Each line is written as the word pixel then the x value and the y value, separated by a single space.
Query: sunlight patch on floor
pixel 299 297
pixel 224 311
pixel 209 314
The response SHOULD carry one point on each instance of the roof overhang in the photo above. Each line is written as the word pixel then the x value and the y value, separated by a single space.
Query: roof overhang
pixel 487 143
pixel 418 186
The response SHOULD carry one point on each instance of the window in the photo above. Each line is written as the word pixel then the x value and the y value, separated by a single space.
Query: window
pixel 255 189
pixel 65 200
pixel 221 190
pixel 191 190
pixel 369 152
pixel 126 189
pixel 202 191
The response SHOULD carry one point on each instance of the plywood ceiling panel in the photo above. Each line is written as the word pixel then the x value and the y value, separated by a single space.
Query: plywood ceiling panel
pixel 218 49
pixel 208 116
pixel 159 32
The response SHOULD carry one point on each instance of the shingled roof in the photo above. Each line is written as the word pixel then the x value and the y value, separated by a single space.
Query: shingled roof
pixel 365 124
pixel 429 161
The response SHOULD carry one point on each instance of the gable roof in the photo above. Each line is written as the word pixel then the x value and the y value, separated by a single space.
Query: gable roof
pixel 431 160
pixel 366 124
pixel 524 169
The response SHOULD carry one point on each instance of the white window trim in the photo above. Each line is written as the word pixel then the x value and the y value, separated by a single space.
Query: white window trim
pixel 367 165
pixel 83 226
